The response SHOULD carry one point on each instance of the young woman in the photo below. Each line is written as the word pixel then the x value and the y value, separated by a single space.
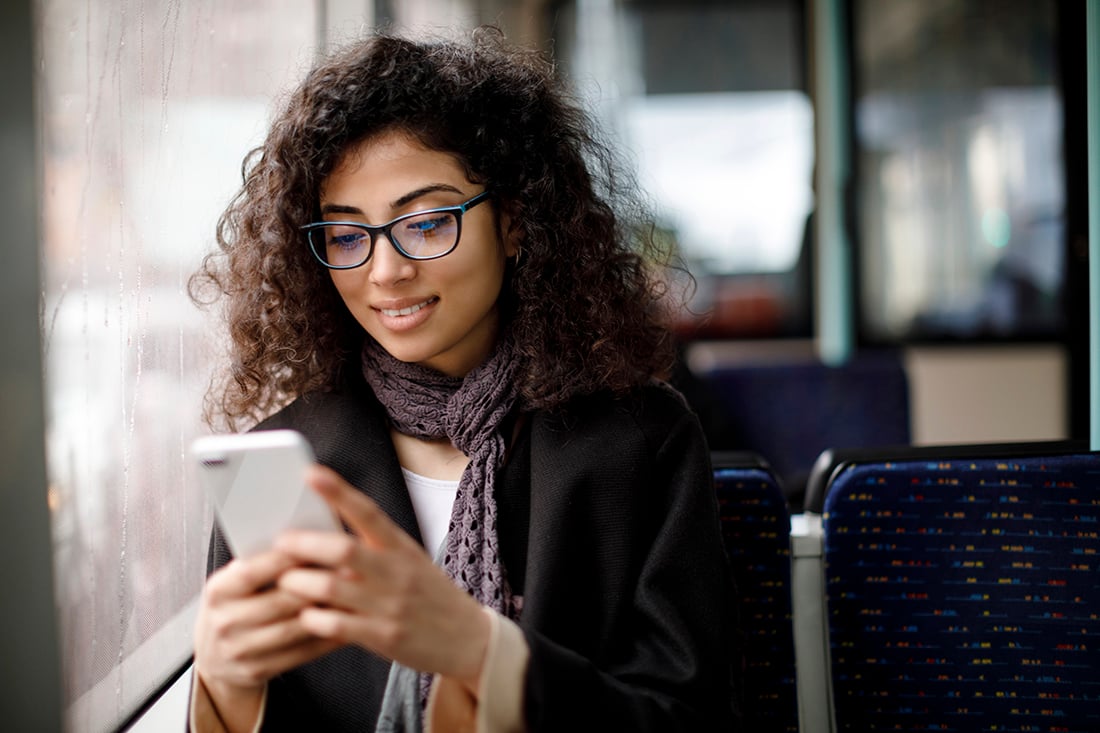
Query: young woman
pixel 433 273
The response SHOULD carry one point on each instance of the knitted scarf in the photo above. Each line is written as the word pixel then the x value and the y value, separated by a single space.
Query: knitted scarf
pixel 424 403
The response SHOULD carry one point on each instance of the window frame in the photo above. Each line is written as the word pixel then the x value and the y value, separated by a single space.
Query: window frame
pixel 28 627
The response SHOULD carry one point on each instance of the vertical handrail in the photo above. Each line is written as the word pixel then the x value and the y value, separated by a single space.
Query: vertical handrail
pixel 1092 30
pixel 835 340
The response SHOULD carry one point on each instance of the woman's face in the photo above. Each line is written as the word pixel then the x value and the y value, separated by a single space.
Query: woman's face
pixel 439 313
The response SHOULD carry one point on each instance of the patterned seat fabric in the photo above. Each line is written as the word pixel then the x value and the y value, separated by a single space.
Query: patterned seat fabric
pixel 756 531
pixel 964 595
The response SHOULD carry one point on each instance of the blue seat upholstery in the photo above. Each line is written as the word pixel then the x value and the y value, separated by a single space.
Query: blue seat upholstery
pixel 756 531
pixel 833 460
pixel 964 594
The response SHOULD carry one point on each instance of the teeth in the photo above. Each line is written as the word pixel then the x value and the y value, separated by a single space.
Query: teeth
pixel 404 311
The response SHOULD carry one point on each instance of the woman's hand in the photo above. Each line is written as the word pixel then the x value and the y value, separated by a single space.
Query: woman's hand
pixel 248 630
pixel 379 589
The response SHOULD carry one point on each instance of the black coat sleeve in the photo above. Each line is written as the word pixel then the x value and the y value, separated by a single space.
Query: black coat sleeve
pixel 640 634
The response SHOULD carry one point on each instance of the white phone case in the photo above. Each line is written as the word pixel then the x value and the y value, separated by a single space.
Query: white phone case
pixel 256 482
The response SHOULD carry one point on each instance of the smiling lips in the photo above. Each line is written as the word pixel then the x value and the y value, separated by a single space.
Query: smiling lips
pixel 393 313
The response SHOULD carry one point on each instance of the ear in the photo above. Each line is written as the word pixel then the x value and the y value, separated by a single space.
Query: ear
pixel 510 233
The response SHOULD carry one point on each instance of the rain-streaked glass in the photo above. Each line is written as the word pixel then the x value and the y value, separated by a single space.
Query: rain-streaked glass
pixel 147 110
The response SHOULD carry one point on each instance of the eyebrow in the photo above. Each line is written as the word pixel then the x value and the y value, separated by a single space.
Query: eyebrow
pixel 399 202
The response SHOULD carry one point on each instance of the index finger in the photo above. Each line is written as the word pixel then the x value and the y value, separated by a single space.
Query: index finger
pixel 365 517
pixel 245 576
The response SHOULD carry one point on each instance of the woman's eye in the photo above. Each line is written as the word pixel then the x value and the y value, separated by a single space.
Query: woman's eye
pixel 347 241
pixel 424 227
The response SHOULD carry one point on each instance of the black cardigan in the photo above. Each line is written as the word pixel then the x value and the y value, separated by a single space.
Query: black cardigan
pixel 608 527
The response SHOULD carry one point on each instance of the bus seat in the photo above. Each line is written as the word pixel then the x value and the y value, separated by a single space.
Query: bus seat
pixel 964 593
pixel 790 412
pixel 756 532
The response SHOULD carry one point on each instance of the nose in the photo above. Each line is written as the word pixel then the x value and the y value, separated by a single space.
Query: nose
pixel 387 265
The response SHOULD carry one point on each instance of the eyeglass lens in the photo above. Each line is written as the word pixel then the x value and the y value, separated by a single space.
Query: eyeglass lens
pixel 419 236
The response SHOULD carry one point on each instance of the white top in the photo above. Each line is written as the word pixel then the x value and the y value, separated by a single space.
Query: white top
pixel 432 500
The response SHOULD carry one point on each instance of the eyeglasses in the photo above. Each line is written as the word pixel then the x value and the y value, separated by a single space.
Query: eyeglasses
pixel 422 235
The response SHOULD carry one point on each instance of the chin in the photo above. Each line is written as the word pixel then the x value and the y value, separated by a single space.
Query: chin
pixel 409 355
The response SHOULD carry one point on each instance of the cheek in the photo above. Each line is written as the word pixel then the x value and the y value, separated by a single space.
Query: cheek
pixel 342 279
pixel 346 285
pixel 485 280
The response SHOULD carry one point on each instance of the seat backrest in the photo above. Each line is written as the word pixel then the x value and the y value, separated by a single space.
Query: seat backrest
pixel 964 594
pixel 833 460
pixel 756 531
pixel 790 412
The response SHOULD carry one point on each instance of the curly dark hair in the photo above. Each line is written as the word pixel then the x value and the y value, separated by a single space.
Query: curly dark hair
pixel 584 300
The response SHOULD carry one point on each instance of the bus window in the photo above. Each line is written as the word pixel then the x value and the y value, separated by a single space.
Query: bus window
pixel 960 187
pixel 710 101
pixel 145 117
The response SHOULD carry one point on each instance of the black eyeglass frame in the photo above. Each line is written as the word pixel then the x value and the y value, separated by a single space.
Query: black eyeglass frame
pixel 375 230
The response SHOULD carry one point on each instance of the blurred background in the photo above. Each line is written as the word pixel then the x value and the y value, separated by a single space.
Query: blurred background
pixel 848 182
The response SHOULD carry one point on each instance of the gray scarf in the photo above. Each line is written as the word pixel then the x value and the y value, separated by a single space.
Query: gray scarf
pixel 427 404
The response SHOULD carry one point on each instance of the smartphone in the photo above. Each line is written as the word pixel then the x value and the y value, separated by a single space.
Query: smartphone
pixel 256 482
